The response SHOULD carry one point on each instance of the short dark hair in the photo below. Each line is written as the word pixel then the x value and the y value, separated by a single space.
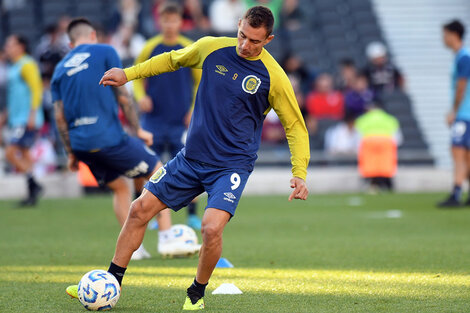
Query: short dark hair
pixel 455 27
pixel 74 25
pixel 347 62
pixel 260 16
pixel 170 7
pixel 22 41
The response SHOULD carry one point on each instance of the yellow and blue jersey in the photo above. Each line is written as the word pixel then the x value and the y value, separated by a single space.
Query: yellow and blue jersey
pixel 233 98
pixel 24 92
pixel 91 111
pixel 461 69
pixel 172 93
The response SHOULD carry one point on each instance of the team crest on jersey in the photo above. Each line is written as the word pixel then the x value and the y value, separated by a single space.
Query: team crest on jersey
pixel 158 175
pixel 251 84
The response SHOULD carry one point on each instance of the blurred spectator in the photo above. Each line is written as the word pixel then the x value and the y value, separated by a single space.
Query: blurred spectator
pixel 225 14
pixel 291 17
pixel 294 67
pixel 380 135
pixel 25 116
pixel 102 35
pixel 347 75
pixel 299 95
pixel 194 16
pixel 382 74
pixel 127 43
pixel 274 5
pixel 343 138
pixel 126 12
pixel 273 132
pixel 325 102
pixel 8 5
pixel 359 97
pixel 50 50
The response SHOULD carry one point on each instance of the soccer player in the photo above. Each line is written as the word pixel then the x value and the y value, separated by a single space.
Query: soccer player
pixel 165 100
pixel 24 112
pixel 241 82
pixel 87 119
pixel 459 116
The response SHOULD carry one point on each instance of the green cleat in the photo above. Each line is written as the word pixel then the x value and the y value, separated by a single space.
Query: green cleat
pixel 72 291
pixel 189 306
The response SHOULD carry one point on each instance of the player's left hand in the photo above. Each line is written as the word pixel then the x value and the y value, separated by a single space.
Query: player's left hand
pixel 146 136
pixel 300 189
pixel 31 122
pixel 187 118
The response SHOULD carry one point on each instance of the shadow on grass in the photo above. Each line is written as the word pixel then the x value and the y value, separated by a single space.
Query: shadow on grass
pixel 50 297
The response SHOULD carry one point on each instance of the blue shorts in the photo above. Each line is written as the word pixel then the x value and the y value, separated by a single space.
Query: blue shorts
pixel 20 136
pixel 130 158
pixel 461 134
pixel 182 179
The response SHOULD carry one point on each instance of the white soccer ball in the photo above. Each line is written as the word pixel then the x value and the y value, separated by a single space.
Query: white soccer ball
pixel 98 290
pixel 184 233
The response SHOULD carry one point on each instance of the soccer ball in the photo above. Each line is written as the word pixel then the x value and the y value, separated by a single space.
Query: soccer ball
pixel 98 290
pixel 184 234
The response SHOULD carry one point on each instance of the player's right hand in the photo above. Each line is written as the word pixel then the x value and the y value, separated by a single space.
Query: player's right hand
pixel 146 136
pixel 114 77
pixel 145 104
pixel 450 118
pixel 72 163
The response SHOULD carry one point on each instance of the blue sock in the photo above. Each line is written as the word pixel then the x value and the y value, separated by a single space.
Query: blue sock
pixel 192 208
pixel 457 192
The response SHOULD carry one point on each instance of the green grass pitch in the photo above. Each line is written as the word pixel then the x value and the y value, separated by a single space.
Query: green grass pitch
pixel 332 253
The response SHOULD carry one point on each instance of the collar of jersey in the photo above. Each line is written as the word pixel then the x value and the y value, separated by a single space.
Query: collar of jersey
pixel 258 57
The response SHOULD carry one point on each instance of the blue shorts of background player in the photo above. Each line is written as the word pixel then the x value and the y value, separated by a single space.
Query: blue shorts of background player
pixel 22 137
pixel 461 134
pixel 168 139
pixel 130 158
pixel 182 179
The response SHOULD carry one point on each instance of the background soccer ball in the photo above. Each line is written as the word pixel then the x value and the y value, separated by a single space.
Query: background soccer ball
pixel 184 234
pixel 98 290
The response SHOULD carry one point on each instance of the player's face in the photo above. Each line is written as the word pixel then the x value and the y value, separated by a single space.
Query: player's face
pixel 170 24
pixel 251 40
pixel 448 38
pixel 13 48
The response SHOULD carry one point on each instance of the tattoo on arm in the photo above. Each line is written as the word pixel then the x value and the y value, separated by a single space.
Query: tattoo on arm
pixel 62 125
pixel 127 104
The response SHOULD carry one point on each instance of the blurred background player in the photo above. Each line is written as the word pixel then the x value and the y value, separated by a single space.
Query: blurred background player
pixel 24 114
pixel 165 101
pixel 459 116
pixel 87 119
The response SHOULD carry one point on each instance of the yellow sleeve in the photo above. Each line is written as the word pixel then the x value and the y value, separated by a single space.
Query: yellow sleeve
pixel 138 86
pixel 190 56
pixel 282 100
pixel 32 78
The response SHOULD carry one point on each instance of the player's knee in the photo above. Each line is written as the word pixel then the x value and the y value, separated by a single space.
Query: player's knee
pixel 10 153
pixel 211 231
pixel 138 211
